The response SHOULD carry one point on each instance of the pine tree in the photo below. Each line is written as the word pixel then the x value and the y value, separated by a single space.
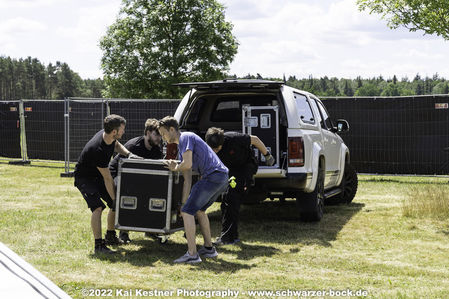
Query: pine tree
pixel 348 89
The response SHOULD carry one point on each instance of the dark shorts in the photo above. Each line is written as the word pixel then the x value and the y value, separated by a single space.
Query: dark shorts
pixel 94 191
pixel 205 192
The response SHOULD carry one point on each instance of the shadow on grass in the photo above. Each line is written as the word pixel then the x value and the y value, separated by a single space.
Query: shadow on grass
pixel 267 222
pixel 404 182
pixel 42 164
pixel 275 222
pixel 152 253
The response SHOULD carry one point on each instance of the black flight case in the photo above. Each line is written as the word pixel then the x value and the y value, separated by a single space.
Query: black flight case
pixel 148 197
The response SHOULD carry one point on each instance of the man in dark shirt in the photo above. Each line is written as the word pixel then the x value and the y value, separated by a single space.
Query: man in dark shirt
pixel 234 150
pixel 147 146
pixel 94 180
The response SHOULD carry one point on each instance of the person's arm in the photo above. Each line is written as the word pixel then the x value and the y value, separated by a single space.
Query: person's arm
pixel 269 159
pixel 259 144
pixel 186 163
pixel 119 148
pixel 122 150
pixel 108 181
pixel 186 167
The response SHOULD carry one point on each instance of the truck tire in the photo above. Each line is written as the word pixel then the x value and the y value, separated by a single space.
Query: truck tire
pixel 311 205
pixel 349 185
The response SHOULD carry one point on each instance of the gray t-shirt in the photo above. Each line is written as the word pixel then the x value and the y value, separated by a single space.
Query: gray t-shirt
pixel 204 159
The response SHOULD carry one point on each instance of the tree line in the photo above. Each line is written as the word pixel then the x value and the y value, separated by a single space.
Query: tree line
pixel 377 86
pixel 30 79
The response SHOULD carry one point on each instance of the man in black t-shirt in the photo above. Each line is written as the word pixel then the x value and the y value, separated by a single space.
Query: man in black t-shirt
pixel 234 150
pixel 94 180
pixel 147 146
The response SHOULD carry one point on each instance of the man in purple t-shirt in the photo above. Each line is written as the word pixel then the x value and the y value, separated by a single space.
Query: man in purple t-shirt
pixel 195 155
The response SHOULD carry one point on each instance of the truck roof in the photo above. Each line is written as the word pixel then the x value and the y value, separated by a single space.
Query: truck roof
pixel 233 84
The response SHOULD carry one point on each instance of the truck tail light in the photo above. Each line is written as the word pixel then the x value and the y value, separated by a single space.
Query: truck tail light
pixel 295 152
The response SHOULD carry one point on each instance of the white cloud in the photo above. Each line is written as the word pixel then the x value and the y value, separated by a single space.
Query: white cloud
pixel 90 27
pixel 15 28
pixel 295 37
pixel 21 25
pixel 84 36
pixel 57 30
pixel 323 38
pixel 10 4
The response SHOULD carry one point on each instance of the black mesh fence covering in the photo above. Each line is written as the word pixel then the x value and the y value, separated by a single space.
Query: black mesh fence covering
pixel 86 119
pixel 136 112
pixel 404 135
pixel 44 126
pixel 9 130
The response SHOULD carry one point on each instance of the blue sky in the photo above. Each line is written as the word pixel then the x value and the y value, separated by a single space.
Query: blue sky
pixel 293 37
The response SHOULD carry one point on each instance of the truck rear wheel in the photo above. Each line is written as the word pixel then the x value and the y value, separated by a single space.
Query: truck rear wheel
pixel 311 205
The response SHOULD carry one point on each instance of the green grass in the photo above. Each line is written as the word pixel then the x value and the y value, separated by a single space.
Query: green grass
pixel 368 245
pixel 427 201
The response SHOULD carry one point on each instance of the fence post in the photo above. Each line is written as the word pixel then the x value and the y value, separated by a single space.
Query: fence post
pixel 67 172
pixel 23 138
pixel 108 110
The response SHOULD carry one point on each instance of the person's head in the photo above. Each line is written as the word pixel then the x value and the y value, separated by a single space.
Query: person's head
pixel 169 129
pixel 114 125
pixel 151 133
pixel 215 138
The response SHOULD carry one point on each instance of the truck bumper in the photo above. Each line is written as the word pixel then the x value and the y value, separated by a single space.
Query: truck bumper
pixel 292 182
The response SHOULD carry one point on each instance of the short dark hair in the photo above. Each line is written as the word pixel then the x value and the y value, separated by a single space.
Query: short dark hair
pixel 167 122
pixel 113 122
pixel 151 125
pixel 214 137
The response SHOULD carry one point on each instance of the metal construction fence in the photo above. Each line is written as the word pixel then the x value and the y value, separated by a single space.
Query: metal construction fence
pixel 10 138
pixel 84 117
pixel 57 130
pixel 388 135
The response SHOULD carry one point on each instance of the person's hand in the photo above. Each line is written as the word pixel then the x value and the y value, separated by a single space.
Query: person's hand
pixel 171 165
pixel 269 160
pixel 132 156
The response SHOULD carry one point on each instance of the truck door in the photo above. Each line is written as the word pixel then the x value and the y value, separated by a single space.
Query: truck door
pixel 331 146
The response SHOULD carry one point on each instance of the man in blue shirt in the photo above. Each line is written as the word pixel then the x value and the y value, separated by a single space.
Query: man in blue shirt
pixel 195 155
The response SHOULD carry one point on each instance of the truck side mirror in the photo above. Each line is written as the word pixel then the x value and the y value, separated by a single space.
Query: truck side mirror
pixel 342 126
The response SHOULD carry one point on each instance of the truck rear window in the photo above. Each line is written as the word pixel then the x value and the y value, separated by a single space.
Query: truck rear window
pixel 227 111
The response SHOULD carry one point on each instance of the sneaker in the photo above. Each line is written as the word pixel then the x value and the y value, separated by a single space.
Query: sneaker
pixel 189 259
pixel 221 242
pixel 203 251
pixel 124 237
pixel 111 239
pixel 99 249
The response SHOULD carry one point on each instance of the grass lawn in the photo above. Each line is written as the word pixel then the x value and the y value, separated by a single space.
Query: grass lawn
pixel 368 245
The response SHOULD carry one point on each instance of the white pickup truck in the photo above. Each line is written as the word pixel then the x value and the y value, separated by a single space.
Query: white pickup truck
pixel 312 161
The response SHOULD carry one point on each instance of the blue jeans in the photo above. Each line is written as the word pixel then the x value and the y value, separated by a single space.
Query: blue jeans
pixel 205 192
